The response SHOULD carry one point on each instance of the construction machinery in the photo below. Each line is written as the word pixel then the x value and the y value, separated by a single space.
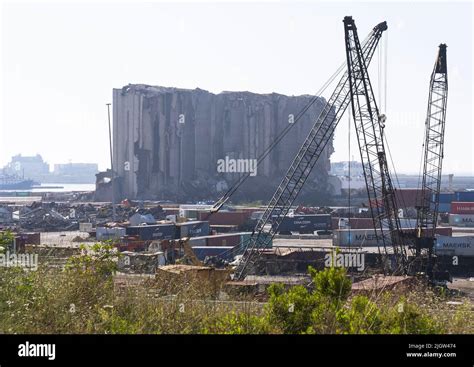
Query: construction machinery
pixel 355 88
pixel 427 209
pixel 302 165
pixel 189 257
pixel 369 126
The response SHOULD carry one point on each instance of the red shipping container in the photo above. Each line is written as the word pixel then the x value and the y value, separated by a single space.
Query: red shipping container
pixel 408 197
pixel 228 218
pixel 462 207
pixel 444 231
pixel 250 210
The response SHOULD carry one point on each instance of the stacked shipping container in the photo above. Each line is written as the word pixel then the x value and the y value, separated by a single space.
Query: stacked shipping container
pixel 462 209
pixel 367 237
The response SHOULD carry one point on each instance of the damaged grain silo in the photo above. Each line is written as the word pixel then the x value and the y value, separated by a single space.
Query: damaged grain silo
pixel 186 145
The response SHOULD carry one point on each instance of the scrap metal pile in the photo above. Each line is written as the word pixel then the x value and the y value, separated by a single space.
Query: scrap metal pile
pixel 52 216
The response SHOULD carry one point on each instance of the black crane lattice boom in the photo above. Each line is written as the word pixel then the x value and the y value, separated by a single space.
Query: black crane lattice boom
pixel 369 126
pixel 302 165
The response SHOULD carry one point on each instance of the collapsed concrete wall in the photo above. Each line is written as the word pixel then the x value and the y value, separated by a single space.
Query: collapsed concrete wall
pixel 185 145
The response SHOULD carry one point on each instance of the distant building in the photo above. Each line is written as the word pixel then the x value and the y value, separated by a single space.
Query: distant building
pixel 30 167
pixel 34 168
pixel 342 168
pixel 75 172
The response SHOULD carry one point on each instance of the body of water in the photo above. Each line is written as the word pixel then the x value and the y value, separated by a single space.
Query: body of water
pixel 57 187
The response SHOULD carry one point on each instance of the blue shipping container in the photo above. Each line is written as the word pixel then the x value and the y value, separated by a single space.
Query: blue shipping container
pixel 465 196
pixel 263 241
pixel 446 197
pixel 223 252
pixel 444 208
pixel 305 223
pixel 192 229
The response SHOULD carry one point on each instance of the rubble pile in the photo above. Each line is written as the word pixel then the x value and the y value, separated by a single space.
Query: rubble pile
pixel 53 216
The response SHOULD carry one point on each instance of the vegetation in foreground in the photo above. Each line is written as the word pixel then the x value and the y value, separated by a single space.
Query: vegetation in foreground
pixel 83 298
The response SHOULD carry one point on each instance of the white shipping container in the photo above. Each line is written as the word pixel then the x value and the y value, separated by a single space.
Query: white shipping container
pixel 357 238
pixel 190 210
pixel 461 220
pixel 454 246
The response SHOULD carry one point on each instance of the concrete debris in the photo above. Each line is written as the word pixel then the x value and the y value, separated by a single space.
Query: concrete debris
pixel 143 263
pixel 65 216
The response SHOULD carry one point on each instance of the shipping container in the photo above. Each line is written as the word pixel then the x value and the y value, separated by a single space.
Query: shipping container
pixel 444 207
pixel 355 223
pixel 191 211
pixel 407 223
pixel 356 238
pixel 247 209
pixel 367 238
pixel 225 239
pixel 192 229
pixel 237 218
pixel 198 241
pixel 105 233
pixel 223 228
pixel 459 207
pixel 222 252
pixel 464 196
pixel 230 239
pixel 408 197
pixel 367 223
pixel 444 231
pixel 461 220
pixel 455 246
pixel 446 197
pixel 153 232
pixel 239 240
pixel 305 223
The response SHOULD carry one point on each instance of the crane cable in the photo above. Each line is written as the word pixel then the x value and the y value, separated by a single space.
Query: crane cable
pixel 268 150
pixel 383 82
pixel 217 205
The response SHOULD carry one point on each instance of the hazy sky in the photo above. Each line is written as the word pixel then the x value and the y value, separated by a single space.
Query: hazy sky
pixel 61 61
